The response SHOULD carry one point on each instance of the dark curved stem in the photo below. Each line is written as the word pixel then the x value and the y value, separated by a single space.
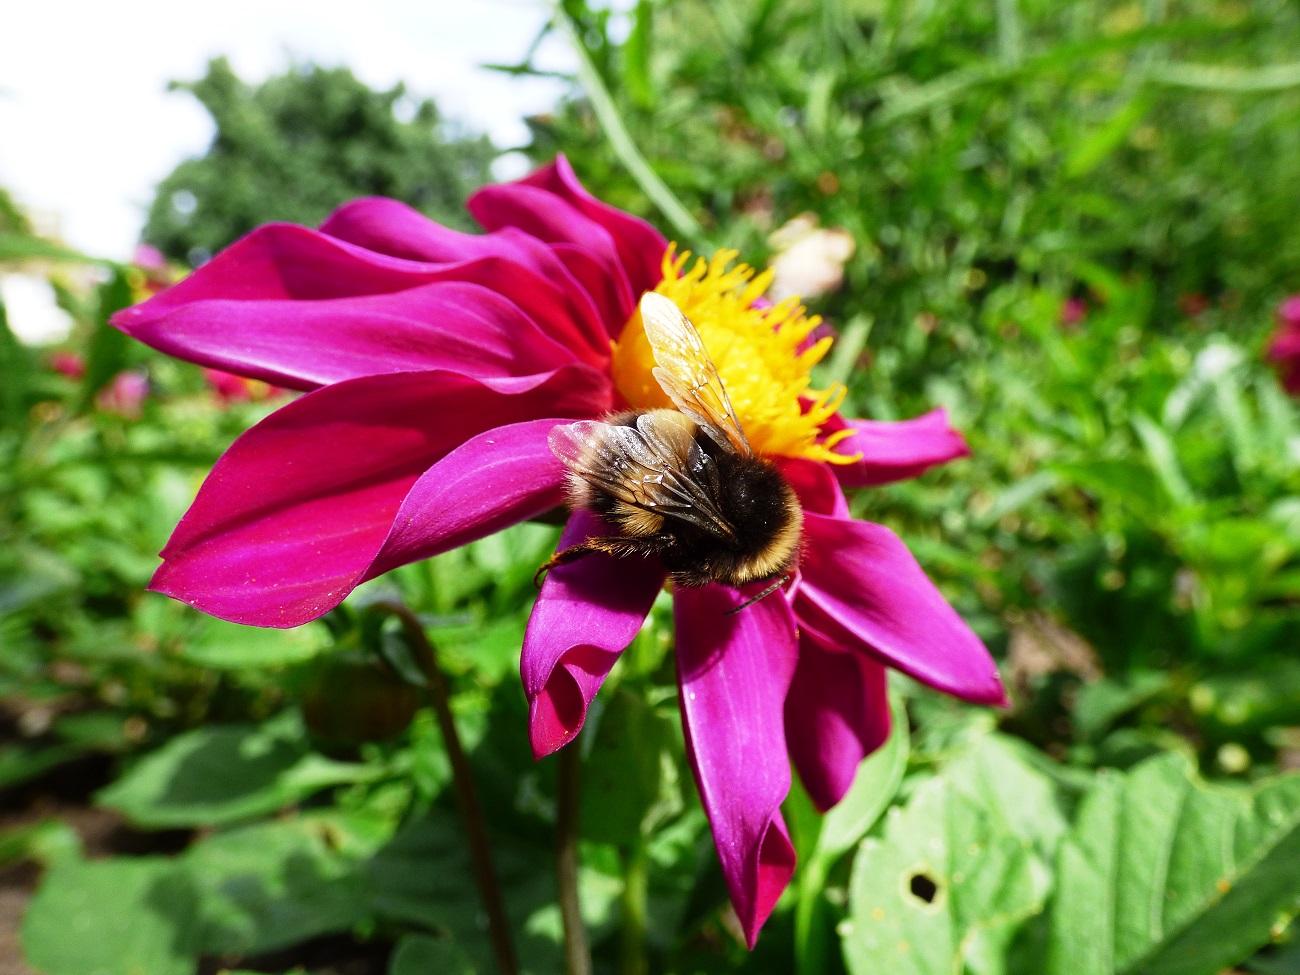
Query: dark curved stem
pixel 577 957
pixel 471 810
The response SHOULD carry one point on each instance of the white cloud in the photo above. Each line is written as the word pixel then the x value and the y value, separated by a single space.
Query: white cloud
pixel 87 127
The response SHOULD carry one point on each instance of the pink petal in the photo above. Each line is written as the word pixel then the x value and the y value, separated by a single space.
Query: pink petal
pixel 295 512
pixel 586 615
pixel 640 247
pixel 497 479
pixel 391 227
pixel 862 590
pixel 816 486
pixel 445 325
pixel 552 220
pixel 895 451
pixel 836 714
pixel 333 310
pixel 733 673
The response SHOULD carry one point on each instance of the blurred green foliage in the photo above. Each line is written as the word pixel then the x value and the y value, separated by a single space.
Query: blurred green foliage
pixel 299 144
pixel 1072 223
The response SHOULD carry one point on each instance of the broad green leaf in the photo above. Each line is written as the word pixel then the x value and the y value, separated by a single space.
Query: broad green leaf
pixel 1100 703
pixel 424 877
pixel 874 787
pixel 270 885
pixel 623 774
pixel 125 916
pixel 423 954
pixel 1163 875
pixel 956 871
pixel 228 773
pixel 229 646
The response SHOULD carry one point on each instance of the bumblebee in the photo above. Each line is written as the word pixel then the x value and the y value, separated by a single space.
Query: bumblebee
pixel 681 484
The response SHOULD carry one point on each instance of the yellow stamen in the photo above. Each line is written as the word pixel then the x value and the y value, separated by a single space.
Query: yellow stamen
pixel 756 351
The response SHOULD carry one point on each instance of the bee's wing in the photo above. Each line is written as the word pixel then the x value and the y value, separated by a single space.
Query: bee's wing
pixel 687 374
pixel 648 466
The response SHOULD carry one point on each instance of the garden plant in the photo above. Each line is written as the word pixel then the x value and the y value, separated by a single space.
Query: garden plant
pixel 1003 291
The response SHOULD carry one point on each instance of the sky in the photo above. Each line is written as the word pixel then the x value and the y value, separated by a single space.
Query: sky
pixel 87 126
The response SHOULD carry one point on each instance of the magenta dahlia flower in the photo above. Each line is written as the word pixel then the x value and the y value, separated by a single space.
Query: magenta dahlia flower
pixel 436 363
pixel 1284 347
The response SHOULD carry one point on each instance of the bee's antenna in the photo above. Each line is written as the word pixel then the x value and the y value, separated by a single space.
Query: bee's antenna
pixel 762 595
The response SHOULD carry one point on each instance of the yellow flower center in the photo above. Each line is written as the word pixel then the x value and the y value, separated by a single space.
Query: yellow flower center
pixel 756 352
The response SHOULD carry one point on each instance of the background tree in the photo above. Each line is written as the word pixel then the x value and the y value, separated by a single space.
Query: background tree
pixel 301 143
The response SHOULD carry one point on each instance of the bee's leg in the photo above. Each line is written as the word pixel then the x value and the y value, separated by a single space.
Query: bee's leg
pixel 563 557
pixel 619 546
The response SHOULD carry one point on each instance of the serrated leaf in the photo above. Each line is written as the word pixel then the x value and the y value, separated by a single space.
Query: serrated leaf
pixel 1163 875
pixel 955 872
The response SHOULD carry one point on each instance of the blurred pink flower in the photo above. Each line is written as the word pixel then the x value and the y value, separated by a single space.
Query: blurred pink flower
pixel 1284 347
pixel 435 365
pixel 125 394
pixel 68 364
pixel 1073 311
pixel 229 388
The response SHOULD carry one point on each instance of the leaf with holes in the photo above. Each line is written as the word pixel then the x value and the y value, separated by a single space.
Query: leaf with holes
pixel 1163 875
pixel 956 871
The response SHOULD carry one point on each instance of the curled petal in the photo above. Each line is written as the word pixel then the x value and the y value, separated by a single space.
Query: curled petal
pixel 297 308
pixel 586 614
pixel 895 451
pixel 733 673
pixel 863 590
pixel 294 514
pixel 554 221
pixel 836 714
pixel 640 247
pixel 391 227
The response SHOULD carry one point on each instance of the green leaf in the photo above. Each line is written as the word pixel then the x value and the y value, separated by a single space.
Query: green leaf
pixel 424 877
pixel 423 954
pixel 636 55
pixel 1093 149
pixel 25 247
pixel 874 787
pixel 18 763
pixel 227 773
pixel 1163 875
pixel 112 917
pixel 623 775
pixel 15 365
pixel 1164 461
pixel 106 352
pixel 957 870
pixel 270 885
pixel 229 646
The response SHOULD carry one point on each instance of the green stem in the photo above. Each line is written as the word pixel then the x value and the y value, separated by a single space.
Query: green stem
pixel 577 957
pixel 620 141
pixel 471 810
pixel 633 959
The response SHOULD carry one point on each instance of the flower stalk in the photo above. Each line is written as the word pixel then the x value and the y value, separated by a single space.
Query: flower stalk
pixel 577 956
pixel 471 810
